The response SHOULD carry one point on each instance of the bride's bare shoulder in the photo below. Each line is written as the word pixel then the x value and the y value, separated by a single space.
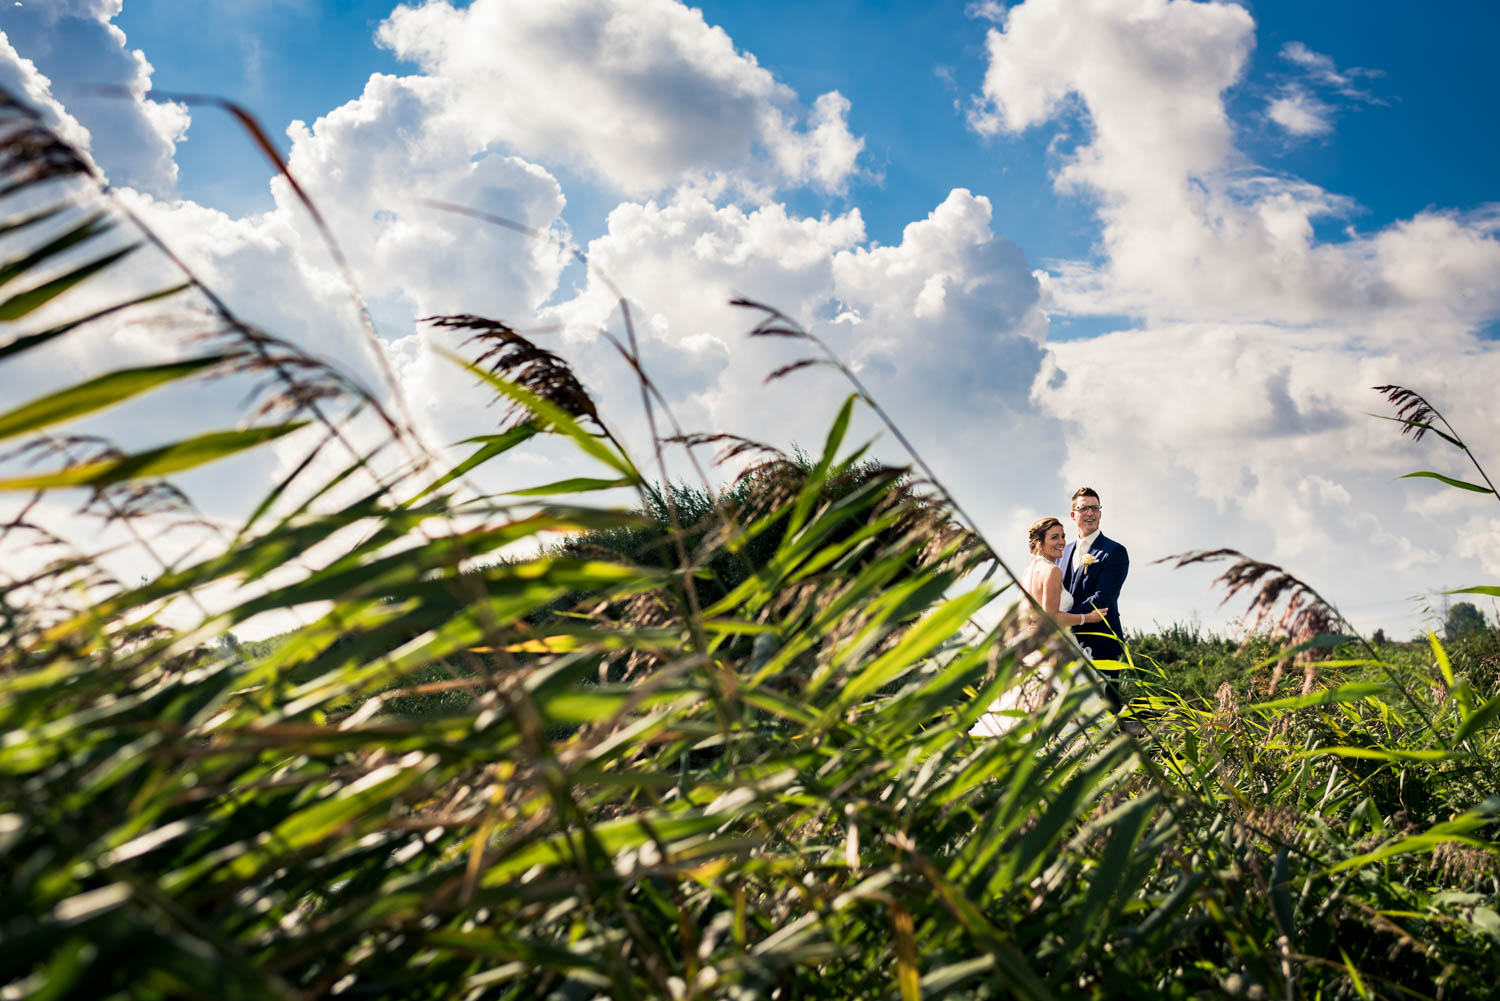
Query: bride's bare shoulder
pixel 1044 573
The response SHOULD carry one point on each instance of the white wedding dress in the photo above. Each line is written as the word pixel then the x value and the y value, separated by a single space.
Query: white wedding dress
pixel 1039 683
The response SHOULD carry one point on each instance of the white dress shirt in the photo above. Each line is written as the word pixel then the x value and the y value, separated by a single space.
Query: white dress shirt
pixel 1082 546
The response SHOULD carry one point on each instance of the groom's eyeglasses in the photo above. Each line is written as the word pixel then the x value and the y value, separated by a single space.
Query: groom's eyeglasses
pixel 1095 508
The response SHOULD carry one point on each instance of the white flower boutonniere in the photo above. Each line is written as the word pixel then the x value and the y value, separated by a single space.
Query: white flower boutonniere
pixel 1089 559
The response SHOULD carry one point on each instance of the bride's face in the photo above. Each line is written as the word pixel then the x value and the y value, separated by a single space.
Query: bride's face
pixel 1054 542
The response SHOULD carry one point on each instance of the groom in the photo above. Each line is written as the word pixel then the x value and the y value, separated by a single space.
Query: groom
pixel 1094 569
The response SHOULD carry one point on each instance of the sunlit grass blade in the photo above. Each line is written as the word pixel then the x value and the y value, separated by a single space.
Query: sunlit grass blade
pixel 490 447
pixel 1352 692
pixel 23 303
pixel 15 224
pixel 174 458
pixel 28 341
pixel 1354 977
pixel 1478 720
pixel 96 394
pixel 572 485
pixel 554 417
pixel 92 226
pixel 1461 484
pixel 817 476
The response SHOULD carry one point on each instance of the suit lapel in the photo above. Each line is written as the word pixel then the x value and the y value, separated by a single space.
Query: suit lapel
pixel 1067 567
pixel 1096 549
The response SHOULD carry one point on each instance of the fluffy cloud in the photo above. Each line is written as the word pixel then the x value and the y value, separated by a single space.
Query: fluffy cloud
pixel 1192 231
pixel 949 312
pixel 679 264
pixel 1300 112
pixel 640 94
pixel 375 166
pixel 950 335
pixel 370 165
pixel 1208 435
pixel 1322 70
pixel 1149 71
pixel 944 328
pixel 1233 416
pixel 648 97
pixel 1297 106
pixel 75 47
pixel 20 77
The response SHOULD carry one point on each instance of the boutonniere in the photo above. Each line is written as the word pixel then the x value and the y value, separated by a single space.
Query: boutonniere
pixel 1089 559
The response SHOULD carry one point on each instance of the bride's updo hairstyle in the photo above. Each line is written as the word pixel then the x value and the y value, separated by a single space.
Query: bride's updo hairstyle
pixel 1038 531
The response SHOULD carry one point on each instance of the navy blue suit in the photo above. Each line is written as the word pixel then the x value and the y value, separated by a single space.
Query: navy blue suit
pixel 1098 586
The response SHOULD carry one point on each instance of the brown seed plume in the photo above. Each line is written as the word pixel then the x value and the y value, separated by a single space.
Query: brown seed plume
pixel 1411 408
pixel 1304 615
pixel 508 354
pixel 29 152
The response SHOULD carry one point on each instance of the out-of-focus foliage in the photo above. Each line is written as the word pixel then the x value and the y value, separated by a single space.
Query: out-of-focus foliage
pixel 1464 619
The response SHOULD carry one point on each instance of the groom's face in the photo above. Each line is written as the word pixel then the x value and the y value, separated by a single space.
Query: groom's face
pixel 1086 515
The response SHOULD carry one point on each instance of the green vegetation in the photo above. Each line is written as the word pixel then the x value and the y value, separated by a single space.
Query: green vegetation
pixel 729 759
pixel 1463 620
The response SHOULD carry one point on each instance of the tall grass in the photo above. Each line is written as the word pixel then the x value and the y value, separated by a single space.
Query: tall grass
pixel 649 788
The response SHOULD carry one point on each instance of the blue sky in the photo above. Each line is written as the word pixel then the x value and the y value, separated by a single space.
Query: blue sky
pixel 1159 246
pixel 1429 142
pixel 912 68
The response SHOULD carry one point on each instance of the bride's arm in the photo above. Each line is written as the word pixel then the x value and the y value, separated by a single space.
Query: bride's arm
pixel 1051 599
pixel 1052 591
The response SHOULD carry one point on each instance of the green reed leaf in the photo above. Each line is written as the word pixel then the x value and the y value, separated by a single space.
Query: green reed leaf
pixel 96 394
pixel 1441 656
pixel 1353 692
pixel 915 643
pixel 813 485
pixel 1422 425
pixel 1453 832
pixel 174 458
pixel 1354 977
pixel 1116 876
pixel 939 980
pixel 490 446
pixel 553 416
pixel 574 485
pixel 29 341
pixel 1481 718
pixel 22 303
pixel 1384 753
pixel 94 225
pixel 1493 592
pixel 1461 484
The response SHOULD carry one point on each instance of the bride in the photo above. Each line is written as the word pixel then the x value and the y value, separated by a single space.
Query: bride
pixel 1043 581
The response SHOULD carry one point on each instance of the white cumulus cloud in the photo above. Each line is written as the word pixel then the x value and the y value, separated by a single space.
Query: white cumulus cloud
pixel 948 339
pixel 74 45
pixel 1300 112
pixel 1234 413
pixel 639 93
pixel 1299 105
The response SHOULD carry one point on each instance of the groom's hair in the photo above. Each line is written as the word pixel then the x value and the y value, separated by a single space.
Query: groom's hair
pixel 1083 492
